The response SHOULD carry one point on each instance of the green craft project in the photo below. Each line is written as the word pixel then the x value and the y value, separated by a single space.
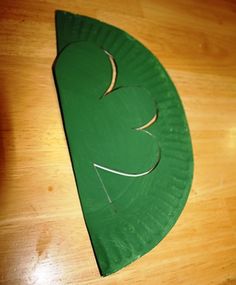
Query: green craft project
pixel 128 138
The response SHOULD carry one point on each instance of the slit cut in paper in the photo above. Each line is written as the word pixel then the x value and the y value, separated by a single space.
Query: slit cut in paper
pixel 114 73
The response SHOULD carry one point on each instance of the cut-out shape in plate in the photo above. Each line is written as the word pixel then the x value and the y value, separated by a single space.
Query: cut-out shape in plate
pixel 128 138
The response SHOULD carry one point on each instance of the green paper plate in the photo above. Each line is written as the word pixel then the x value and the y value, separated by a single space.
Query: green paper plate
pixel 133 178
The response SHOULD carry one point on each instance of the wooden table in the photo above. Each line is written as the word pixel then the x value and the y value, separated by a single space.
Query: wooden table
pixel 43 238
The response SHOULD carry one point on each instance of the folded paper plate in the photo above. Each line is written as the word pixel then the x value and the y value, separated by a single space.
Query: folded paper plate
pixel 128 138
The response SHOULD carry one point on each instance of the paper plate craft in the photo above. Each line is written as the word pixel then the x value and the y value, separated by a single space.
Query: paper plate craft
pixel 128 138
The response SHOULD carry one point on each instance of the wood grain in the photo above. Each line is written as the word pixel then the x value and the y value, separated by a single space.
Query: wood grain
pixel 43 238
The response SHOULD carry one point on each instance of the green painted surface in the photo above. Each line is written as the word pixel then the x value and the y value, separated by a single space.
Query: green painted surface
pixel 126 216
